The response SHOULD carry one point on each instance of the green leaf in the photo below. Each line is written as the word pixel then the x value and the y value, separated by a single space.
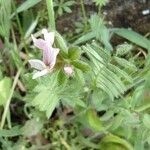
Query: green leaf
pixel 105 38
pixel 31 28
pixel 60 11
pixel 94 121
pixel 26 5
pixel 62 78
pixel 100 30
pixel 80 76
pixel 32 127
pixel 110 138
pixel 121 73
pixel 134 37
pixel 74 53
pixel 5 87
pixel 84 38
pixel 53 104
pixel 117 121
pixel 48 94
pixel 71 93
pixel 80 103
pixel 5 22
pixel 97 98
pixel 100 2
pixel 106 77
pixel 16 57
pixel 126 64
pixel 46 100
pixel 123 49
pixel 15 131
pixel 67 9
pixel 81 65
pixel 146 121
pixel 69 3
pixel 61 43
pixel 107 116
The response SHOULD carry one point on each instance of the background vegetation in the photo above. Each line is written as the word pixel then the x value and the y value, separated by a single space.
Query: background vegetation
pixel 104 105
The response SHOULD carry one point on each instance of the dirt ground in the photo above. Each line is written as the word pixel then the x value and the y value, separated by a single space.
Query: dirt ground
pixel 118 13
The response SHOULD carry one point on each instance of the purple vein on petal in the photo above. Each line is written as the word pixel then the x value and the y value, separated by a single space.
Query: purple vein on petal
pixel 39 43
pixel 47 53
pixel 53 57
pixel 48 36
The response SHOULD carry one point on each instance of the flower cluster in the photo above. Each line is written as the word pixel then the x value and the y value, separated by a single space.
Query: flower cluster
pixel 49 55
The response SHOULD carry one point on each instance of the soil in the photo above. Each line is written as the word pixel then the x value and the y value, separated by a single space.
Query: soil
pixel 118 13
pixel 128 14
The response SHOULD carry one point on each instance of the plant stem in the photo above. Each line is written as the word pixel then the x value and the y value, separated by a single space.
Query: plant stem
pixel 9 99
pixel 9 119
pixel 65 143
pixel 84 13
pixel 20 29
pixel 51 16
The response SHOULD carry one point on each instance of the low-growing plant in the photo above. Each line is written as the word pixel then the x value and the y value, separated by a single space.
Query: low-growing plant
pixel 83 94
pixel 63 6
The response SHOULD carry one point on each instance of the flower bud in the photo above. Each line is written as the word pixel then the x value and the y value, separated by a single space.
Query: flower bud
pixel 68 70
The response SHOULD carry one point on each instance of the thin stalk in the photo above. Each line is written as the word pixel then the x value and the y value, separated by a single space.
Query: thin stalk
pixel 84 13
pixel 66 145
pixel 6 109
pixel 51 16
pixel 9 119
pixel 20 29
pixel 99 10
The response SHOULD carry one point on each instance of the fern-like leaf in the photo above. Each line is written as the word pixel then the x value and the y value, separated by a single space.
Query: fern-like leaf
pixel 109 77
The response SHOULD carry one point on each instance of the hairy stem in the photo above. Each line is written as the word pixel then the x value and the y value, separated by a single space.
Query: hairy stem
pixel 51 16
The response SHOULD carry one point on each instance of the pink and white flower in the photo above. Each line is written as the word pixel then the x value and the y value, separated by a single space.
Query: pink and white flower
pixel 49 54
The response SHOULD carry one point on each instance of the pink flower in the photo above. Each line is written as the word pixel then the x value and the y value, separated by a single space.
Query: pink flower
pixel 68 70
pixel 49 54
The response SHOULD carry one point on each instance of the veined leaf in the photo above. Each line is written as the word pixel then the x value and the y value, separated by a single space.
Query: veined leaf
pixel 61 43
pixel 101 32
pixel 47 98
pixel 106 77
pixel 74 53
pixel 15 131
pixel 123 49
pixel 31 28
pixel 146 120
pixel 110 138
pixel 81 65
pixel 26 5
pixel 5 23
pixel 46 101
pixel 84 38
pixel 126 64
pixel 94 121
pixel 121 73
pixel 101 2
pixel 134 37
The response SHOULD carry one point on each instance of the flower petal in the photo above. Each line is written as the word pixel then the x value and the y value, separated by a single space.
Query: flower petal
pixel 37 64
pixel 39 43
pixel 48 36
pixel 53 57
pixel 40 73
pixel 47 53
